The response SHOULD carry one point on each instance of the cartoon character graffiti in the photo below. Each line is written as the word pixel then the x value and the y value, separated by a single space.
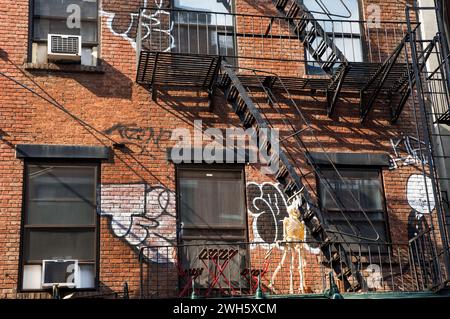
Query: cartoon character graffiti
pixel 277 224
pixel 421 199
pixel 374 276
pixel 419 193
pixel 140 214
pixel 268 207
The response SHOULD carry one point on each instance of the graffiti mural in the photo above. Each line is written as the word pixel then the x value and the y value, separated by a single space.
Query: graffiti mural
pixel 139 139
pixel 125 25
pixel 419 192
pixel 412 147
pixel 140 214
pixel 374 277
pixel 268 207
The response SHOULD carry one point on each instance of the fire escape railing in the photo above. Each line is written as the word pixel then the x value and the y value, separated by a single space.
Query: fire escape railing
pixel 438 90
pixel 185 48
pixel 238 269
pixel 247 38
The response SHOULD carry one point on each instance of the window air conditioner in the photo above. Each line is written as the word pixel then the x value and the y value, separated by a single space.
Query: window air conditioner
pixel 64 47
pixel 64 273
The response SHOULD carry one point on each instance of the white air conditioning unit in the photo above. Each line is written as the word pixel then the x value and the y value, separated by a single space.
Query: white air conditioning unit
pixel 64 273
pixel 64 47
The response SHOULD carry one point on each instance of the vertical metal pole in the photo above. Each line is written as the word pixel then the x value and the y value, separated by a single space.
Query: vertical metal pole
pixel 443 39
pixel 139 39
pixel 141 274
pixel 418 81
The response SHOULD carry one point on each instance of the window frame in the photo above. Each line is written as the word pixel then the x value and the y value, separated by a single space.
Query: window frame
pixel 62 227
pixel 32 16
pixel 185 241
pixel 209 167
pixel 384 212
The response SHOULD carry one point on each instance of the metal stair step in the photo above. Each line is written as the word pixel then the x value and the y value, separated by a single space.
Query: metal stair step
pixel 308 216
pixel 249 119
pixel 317 229
pixel 281 4
pixel 300 26
pixel 282 174
pixel 320 50
pixel 290 188
pixel 293 10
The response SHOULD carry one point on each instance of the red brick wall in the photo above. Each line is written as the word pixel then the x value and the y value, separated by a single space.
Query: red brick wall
pixel 99 109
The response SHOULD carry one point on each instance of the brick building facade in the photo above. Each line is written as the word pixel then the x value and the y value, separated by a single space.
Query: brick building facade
pixel 86 137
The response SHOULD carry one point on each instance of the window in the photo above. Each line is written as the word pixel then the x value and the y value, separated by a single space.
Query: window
pixel 60 220
pixel 67 17
pixel 210 31
pixel 212 203
pixel 212 215
pixel 345 34
pixel 364 185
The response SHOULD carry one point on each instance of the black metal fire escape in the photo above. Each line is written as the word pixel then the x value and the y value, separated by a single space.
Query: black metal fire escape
pixel 392 77
pixel 372 81
pixel 326 53
pixel 429 86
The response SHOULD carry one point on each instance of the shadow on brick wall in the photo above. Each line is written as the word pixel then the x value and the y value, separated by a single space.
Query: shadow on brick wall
pixel 104 81
pixel 112 84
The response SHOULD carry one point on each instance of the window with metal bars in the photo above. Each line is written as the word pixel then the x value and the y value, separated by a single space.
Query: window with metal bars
pixel 203 27
pixel 212 215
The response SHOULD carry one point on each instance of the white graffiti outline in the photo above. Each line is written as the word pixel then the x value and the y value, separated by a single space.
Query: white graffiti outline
pixel 419 193
pixel 268 201
pixel 153 21
pixel 136 212
pixel 414 154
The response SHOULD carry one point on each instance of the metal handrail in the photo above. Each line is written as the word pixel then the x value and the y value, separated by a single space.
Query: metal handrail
pixel 264 16
pixel 234 268
pixel 255 37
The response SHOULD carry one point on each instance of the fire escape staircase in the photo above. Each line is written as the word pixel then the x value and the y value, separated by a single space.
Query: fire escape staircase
pixel 371 80
pixel 397 89
pixel 308 29
pixel 289 176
